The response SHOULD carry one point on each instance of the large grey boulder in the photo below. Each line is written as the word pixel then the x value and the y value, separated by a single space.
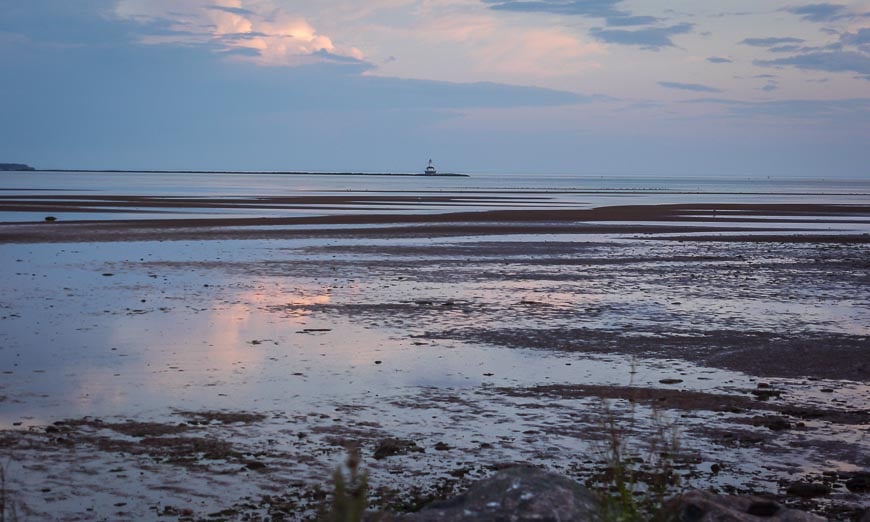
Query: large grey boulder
pixel 517 494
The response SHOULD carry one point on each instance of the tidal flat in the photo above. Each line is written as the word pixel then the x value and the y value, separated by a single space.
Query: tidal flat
pixel 190 366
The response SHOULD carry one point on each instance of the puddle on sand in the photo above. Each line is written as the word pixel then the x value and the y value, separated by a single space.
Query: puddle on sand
pixel 341 345
pixel 114 336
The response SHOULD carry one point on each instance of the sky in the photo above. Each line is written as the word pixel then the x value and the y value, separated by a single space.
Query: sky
pixel 578 87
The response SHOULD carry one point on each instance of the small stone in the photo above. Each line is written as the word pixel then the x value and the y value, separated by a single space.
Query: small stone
pixel 670 381
pixel 442 446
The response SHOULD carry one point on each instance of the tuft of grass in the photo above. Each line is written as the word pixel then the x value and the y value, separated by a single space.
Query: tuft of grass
pixel 8 513
pixel 637 481
pixel 350 495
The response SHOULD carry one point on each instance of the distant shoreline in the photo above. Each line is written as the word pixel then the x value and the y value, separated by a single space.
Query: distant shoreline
pixel 291 173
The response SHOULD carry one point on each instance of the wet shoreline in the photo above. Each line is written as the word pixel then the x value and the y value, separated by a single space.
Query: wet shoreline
pixel 181 356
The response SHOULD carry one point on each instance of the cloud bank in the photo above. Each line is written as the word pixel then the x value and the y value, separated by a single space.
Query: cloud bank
pixel 262 32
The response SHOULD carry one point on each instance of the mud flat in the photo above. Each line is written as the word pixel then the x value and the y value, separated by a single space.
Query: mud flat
pixel 222 367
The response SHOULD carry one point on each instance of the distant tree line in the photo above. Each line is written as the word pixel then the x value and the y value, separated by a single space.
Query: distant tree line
pixel 15 166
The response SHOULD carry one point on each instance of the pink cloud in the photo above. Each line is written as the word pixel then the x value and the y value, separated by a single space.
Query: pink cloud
pixel 256 31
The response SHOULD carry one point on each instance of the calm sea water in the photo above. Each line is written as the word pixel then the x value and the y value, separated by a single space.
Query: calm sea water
pixel 520 190
pixel 221 184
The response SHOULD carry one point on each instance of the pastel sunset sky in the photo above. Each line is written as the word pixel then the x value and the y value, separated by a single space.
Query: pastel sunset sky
pixel 587 87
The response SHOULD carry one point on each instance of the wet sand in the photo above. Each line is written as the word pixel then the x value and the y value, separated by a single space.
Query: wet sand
pixel 784 219
pixel 180 357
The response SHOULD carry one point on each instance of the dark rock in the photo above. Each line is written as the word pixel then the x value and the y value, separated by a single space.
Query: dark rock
pixel 459 472
pixel 764 394
pixel 859 482
pixel 514 494
pixel 442 446
pixel 670 381
pixel 255 465
pixel 391 447
pixel 703 506
pixel 49 219
pixel 808 489
pixel 763 508
pixel 772 423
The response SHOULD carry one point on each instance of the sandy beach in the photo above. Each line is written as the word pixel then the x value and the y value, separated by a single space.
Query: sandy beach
pixel 222 367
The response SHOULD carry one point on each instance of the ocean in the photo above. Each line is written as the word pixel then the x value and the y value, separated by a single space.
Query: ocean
pixel 481 191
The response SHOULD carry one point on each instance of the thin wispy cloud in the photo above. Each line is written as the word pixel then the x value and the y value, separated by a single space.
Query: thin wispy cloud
pixel 850 54
pixel 594 8
pixel 607 9
pixel 860 38
pixel 652 38
pixel 233 10
pixel 771 41
pixel 785 49
pixel 629 20
pixel 842 61
pixel 600 8
pixel 820 12
pixel 695 87
pixel 795 108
